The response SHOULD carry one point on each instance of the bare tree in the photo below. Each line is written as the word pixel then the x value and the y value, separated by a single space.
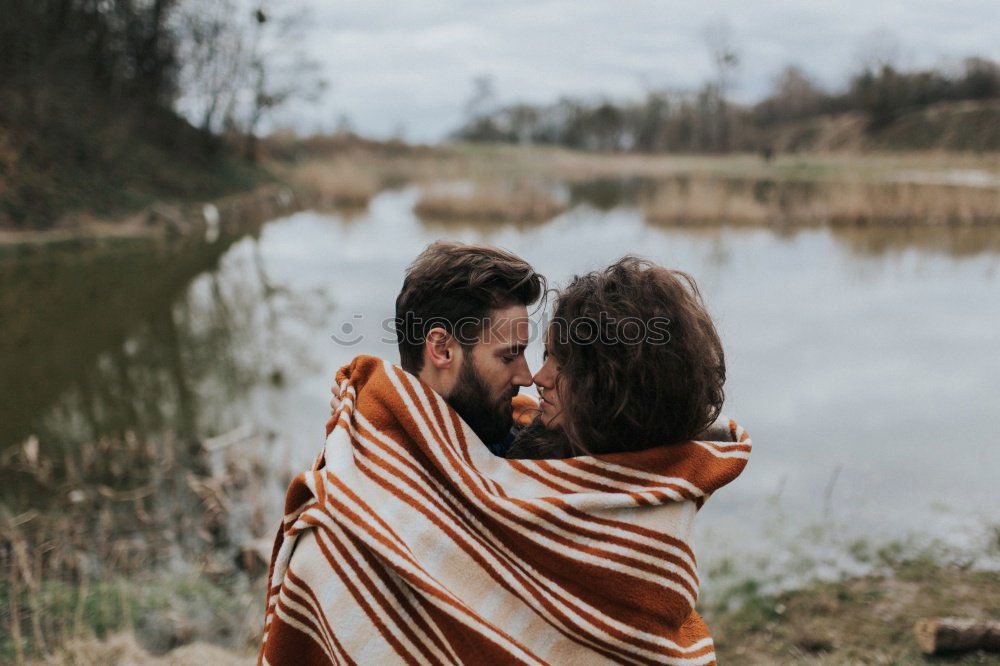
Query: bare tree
pixel 214 42
pixel 713 99
pixel 725 56
pixel 482 99
pixel 877 50
pixel 280 69
pixel 244 62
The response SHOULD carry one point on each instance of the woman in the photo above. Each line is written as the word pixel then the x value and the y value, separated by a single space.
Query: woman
pixel 632 361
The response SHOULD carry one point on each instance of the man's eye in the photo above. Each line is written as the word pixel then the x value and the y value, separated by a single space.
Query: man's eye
pixel 507 360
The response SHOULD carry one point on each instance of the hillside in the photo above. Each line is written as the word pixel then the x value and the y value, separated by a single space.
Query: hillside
pixel 948 126
pixel 106 162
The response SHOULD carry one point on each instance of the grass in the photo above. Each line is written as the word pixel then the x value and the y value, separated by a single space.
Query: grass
pixel 162 611
pixel 865 618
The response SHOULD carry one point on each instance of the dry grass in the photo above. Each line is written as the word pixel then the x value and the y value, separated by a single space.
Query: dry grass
pixel 130 535
pixel 903 203
pixel 704 200
pixel 490 202
pixel 125 649
pixel 338 184
pixel 571 165
pixel 836 188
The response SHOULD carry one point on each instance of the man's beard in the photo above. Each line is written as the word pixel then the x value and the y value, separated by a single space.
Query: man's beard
pixel 490 417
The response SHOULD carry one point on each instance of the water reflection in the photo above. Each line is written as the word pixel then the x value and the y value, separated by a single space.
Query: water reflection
pixel 62 311
pixel 955 241
pixel 606 194
pixel 860 349
pixel 146 341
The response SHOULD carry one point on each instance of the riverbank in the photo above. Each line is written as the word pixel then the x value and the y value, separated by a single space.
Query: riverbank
pixel 864 619
pixel 866 189
pixel 207 222
pixel 154 551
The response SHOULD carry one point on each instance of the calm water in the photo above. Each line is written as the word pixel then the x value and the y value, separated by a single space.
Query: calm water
pixel 864 364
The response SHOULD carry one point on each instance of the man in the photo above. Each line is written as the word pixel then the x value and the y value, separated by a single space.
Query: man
pixel 462 327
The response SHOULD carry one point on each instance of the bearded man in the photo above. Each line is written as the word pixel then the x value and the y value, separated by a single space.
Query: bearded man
pixel 462 327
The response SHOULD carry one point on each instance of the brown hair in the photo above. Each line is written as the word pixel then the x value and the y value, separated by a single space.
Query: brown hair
pixel 645 368
pixel 450 284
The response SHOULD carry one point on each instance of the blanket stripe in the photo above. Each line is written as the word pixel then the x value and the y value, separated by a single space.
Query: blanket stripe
pixel 409 542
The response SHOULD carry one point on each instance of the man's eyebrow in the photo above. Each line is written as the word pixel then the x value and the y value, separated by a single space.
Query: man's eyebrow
pixel 517 348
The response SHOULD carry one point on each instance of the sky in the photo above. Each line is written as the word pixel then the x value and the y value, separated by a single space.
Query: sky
pixel 406 68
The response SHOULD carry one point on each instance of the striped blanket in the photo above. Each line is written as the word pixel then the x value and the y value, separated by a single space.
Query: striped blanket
pixel 409 542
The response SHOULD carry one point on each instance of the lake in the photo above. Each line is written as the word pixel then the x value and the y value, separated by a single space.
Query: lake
pixel 863 361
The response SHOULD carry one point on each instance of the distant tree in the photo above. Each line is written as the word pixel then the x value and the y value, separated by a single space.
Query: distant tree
pixel 483 97
pixel 521 121
pixel 876 50
pixel 605 127
pixel 981 79
pixel 794 96
pixel 649 120
pixel 480 125
pixel 343 124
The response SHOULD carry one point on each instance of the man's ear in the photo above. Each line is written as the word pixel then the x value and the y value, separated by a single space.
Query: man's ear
pixel 441 349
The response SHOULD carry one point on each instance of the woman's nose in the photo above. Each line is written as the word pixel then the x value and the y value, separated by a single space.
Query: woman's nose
pixel 543 377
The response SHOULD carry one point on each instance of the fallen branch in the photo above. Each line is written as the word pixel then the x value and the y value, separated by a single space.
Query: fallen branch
pixel 949 635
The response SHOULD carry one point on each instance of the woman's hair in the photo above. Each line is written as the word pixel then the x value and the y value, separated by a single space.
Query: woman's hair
pixel 640 363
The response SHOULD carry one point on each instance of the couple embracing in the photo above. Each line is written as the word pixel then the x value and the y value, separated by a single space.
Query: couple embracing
pixel 450 519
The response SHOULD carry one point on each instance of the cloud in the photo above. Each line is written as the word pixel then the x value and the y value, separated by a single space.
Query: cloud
pixel 392 63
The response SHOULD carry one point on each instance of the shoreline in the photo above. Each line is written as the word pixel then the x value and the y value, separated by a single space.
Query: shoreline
pixel 858 619
pixel 350 178
pixel 232 214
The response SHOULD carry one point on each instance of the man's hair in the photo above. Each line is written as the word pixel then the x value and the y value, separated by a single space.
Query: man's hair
pixel 621 391
pixel 451 284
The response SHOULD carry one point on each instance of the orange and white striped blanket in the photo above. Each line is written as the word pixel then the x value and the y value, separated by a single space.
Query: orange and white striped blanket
pixel 409 542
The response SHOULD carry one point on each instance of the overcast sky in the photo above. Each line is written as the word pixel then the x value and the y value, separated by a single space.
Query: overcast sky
pixel 409 65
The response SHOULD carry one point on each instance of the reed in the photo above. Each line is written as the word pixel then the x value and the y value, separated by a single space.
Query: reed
pixel 703 200
pixel 340 184
pixel 125 534
pixel 490 202
pixel 707 200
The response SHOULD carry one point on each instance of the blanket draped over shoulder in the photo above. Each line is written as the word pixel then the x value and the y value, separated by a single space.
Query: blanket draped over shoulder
pixel 409 542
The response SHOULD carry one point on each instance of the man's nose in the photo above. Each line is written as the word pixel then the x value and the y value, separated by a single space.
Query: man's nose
pixel 522 376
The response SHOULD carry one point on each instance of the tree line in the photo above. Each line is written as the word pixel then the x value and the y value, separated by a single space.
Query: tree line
pixel 708 121
pixel 108 104
pixel 230 62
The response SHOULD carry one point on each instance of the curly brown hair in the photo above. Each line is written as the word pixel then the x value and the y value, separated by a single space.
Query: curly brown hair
pixel 640 363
